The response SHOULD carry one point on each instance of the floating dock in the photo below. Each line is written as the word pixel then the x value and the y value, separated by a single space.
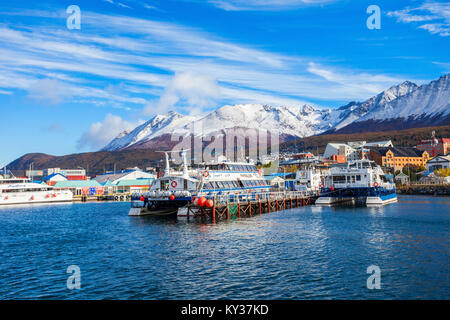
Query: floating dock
pixel 226 207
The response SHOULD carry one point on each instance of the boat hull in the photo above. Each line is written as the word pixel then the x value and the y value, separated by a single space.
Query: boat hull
pixel 36 198
pixel 357 196
pixel 158 208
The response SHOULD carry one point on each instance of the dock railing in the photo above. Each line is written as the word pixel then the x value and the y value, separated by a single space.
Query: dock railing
pixel 224 199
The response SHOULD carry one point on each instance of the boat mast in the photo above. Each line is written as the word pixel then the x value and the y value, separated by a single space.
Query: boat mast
pixel 167 170
pixel 185 165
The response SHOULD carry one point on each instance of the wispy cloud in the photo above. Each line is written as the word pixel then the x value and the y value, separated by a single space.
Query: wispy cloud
pixel 145 54
pixel 153 66
pixel 262 5
pixel 437 16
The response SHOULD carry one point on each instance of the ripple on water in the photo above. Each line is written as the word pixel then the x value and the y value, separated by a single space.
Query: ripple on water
pixel 305 253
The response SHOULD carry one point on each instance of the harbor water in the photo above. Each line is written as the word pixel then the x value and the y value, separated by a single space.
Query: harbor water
pixel 303 253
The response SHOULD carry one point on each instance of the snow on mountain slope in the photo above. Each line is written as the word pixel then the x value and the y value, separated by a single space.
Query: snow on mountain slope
pixel 426 100
pixel 357 110
pixel 158 125
pixel 406 101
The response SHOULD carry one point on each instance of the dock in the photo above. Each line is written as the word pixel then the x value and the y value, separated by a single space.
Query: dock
pixel 118 197
pixel 226 207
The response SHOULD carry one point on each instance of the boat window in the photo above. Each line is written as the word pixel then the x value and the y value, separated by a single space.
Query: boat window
pixel 338 179
pixel 358 178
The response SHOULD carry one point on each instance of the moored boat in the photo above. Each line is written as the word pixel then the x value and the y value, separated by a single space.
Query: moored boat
pixel 174 190
pixel 360 182
pixel 15 191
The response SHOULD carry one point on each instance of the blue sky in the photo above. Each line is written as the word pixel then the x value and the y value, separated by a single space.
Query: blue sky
pixel 67 91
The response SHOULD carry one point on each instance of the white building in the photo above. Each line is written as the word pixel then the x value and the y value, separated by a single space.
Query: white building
pixel 381 144
pixel 439 162
pixel 115 177
pixel 341 149
pixel 352 150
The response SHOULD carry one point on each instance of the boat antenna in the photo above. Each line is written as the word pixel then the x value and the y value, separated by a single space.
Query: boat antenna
pixel 183 156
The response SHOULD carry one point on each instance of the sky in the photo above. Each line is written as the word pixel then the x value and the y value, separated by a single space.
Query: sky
pixel 67 90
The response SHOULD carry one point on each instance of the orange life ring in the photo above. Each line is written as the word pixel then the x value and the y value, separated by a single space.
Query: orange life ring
pixel 260 172
pixel 206 173
pixel 174 184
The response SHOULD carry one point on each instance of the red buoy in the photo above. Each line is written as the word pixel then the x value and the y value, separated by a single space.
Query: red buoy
pixel 201 201
pixel 209 203
pixel 172 197
pixel 142 198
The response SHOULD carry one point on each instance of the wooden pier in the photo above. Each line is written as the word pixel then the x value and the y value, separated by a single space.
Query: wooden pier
pixel 227 207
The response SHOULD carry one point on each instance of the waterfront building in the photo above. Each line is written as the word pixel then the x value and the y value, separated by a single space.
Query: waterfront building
pixel 352 150
pixel 398 157
pixel 341 149
pixel 434 146
pixel 434 179
pixel 402 179
pixel 126 181
pixel 71 174
pixel 439 162
pixel 115 177
pixel 80 187
pixel 52 179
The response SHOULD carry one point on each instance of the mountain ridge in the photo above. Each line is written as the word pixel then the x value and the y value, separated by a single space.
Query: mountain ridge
pixel 405 105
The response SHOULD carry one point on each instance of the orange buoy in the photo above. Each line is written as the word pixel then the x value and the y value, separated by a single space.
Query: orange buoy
pixel 209 203
pixel 172 197
pixel 201 201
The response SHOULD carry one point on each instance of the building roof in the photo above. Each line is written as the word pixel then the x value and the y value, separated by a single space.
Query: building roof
pixel 136 182
pixel 77 184
pixel 47 178
pixel 377 143
pixel 398 151
pixel 437 158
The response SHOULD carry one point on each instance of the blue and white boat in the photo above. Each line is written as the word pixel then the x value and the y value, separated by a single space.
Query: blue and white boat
pixel 360 182
pixel 175 189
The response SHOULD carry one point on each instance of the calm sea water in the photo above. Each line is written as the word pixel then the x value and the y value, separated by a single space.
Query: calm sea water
pixel 304 253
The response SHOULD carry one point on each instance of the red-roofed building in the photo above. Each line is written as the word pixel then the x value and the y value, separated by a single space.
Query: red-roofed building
pixel 435 147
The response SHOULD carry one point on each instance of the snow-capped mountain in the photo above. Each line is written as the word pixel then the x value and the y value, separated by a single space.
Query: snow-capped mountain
pixel 157 126
pixel 404 103
pixel 406 106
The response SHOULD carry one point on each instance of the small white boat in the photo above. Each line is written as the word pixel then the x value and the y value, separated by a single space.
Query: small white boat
pixel 15 191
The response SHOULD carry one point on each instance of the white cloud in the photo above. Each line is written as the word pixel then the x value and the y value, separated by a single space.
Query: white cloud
pixel 101 133
pixel 49 91
pixel 145 54
pixel 241 5
pixel 438 14
pixel 194 91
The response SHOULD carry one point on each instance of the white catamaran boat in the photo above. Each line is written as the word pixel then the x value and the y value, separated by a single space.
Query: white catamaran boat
pixel 21 191
pixel 175 189
pixel 360 182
